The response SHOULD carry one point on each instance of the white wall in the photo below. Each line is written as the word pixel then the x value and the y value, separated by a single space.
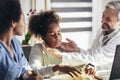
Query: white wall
pixel 97 14
pixel 40 5
pixel 98 7
pixel 26 5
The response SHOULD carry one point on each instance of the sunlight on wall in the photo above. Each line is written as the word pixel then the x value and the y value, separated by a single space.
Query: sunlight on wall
pixel 81 38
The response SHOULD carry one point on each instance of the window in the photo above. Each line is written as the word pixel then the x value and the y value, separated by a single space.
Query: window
pixel 81 18
pixel 77 19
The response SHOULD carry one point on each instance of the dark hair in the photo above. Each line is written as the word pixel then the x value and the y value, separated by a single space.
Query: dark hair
pixel 39 23
pixel 10 10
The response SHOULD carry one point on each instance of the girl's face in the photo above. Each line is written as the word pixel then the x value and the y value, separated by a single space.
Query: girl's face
pixel 53 36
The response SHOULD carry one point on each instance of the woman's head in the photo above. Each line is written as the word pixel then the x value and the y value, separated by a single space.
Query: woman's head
pixel 46 25
pixel 10 16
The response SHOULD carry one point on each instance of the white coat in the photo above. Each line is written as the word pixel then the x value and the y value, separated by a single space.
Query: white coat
pixel 99 55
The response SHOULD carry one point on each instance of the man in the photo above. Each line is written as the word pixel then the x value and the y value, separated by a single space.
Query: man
pixel 102 52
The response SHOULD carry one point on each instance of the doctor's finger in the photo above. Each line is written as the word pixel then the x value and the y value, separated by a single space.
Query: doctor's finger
pixel 69 40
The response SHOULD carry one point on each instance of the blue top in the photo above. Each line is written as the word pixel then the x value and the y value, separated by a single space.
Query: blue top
pixel 12 68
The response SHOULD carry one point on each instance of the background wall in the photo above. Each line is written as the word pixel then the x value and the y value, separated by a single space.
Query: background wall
pixel 26 6
pixel 98 7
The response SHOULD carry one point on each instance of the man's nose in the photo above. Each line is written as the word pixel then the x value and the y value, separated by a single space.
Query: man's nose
pixel 102 21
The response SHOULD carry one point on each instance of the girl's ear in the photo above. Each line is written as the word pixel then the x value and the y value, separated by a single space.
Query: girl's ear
pixel 42 37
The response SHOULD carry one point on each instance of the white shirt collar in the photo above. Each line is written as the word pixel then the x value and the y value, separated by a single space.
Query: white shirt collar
pixel 113 33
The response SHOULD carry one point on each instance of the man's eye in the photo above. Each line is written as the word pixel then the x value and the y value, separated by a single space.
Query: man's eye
pixel 103 16
pixel 108 19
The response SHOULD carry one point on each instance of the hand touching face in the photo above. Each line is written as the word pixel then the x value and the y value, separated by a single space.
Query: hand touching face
pixel 69 46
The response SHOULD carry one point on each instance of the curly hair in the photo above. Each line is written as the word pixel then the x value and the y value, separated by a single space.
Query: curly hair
pixel 10 10
pixel 39 23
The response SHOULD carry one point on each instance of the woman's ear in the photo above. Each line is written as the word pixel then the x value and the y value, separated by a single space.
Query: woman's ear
pixel 14 24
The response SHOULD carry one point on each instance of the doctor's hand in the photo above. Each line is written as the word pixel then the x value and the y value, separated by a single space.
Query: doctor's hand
pixel 90 69
pixel 69 46
pixel 67 70
pixel 32 75
pixel 87 73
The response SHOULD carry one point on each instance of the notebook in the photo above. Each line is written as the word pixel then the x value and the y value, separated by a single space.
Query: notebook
pixel 115 72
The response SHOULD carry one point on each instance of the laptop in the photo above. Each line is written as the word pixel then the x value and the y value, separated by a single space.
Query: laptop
pixel 115 72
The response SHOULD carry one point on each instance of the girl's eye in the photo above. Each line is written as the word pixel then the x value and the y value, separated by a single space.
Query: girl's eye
pixel 50 34
pixel 59 33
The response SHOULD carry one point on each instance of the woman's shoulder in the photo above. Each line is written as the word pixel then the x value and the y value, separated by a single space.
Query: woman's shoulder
pixel 0 48
pixel 16 39
pixel 16 42
pixel 2 51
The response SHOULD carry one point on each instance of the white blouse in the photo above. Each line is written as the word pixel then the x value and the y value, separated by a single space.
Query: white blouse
pixel 40 59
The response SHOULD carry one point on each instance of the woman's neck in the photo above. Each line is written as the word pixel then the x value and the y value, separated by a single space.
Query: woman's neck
pixel 6 38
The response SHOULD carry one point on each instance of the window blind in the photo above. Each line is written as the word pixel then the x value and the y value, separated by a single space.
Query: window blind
pixel 76 14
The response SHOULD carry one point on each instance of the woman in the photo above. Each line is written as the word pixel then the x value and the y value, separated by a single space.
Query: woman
pixel 13 64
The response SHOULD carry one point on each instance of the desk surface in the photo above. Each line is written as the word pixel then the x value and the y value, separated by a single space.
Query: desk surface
pixel 61 77
pixel 67 77
pixel 102 74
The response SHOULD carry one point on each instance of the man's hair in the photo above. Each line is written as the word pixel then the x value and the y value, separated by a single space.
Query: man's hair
pixel 10 10
pixel 114 5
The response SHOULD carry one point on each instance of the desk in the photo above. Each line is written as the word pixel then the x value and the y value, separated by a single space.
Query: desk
pixel 60 77
pixel 67 77
pixel 102 74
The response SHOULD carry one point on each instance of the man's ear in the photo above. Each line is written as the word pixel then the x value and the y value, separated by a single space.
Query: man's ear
pixel 14 24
